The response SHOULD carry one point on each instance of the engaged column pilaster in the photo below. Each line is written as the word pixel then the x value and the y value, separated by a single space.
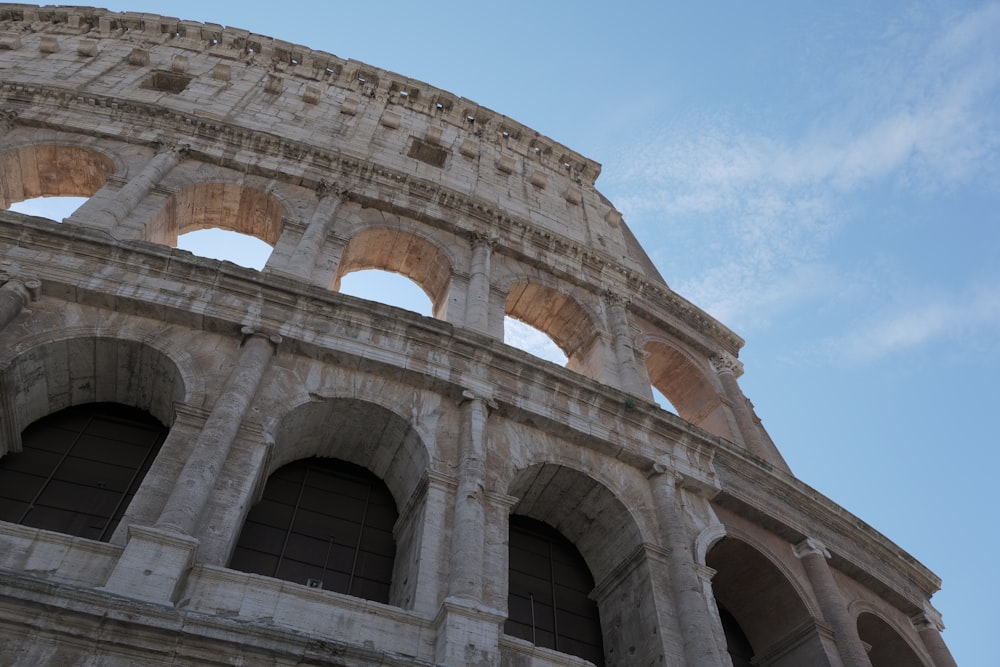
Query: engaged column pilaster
pixel 929 626
pixel 814 557
pixel 698 626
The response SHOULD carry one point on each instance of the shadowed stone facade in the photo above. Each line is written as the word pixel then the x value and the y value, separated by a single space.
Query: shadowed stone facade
pixel 698 538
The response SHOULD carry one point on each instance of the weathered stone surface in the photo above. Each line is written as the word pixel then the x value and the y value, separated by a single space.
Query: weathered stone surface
pixel 173 126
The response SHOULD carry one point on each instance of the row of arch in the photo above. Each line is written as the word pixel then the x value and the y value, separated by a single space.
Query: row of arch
pixel 759 603
pixel 576 320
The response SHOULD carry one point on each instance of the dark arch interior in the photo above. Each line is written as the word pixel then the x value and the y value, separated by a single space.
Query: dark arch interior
pixel 79 469
pixel 324 523
pixel 740 651
pixel 888 649
pixel 548 592
pixel 765 612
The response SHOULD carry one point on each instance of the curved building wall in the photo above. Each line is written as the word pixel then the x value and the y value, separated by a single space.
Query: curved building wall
pixel 170 126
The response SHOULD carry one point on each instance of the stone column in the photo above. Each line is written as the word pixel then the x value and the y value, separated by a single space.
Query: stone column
pixel 15 294
pixel 468 537
pixel 728 369
pixel 929 626
pixel 134 191
pixel 156 559
pixel 698 627
pixel 197 479
pixel 814 555
pixel 477 300
pixel 468 630
pixel 629 377
pixel 303 259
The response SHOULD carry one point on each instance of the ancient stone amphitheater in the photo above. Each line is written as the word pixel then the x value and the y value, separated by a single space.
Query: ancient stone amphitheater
pixel 210 465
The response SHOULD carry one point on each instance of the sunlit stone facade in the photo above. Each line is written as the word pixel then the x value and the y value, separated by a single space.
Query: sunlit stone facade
pixel 687 538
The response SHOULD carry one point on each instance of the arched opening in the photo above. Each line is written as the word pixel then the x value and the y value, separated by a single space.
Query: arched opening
pixel 373 438
pixel 52 170
pixel 53 208
pixel 888 648
pixel 324 523
pixel 762 609
pixel 684 385
pixel 663 401
pixel 393 289
pixel 597 523
pixel 241 249
pixel 548 592
pixel 79 468
pixel 560 318
pixel 227 210
pixel 402 252
pixel 533 341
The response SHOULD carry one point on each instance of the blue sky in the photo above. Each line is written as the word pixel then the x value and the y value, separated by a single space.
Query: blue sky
pixel 822 177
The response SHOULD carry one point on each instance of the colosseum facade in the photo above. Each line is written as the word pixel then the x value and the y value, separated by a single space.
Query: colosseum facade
pixel 210 465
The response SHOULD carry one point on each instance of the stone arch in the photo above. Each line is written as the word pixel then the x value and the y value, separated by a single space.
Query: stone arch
pixel 73 369
pixel 687 386
pixel 765 600
pixel 706 539
pixel 218 204
pixel 375 438
pixel 596 520
pixel 400 251
pixel 357 431
pixel 563 317
pixel 889 647
pixel 52 170
pixel 583 509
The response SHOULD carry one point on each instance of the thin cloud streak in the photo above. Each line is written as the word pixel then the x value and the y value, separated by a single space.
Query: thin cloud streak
pixel 964 319
pixel 770 206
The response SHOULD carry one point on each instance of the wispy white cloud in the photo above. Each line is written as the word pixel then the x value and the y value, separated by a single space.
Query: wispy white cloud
pixel 967 317
pixel 743 220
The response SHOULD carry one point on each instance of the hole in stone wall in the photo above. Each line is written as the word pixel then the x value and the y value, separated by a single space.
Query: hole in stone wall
pixel 392 289
pixel 214 243
pixel 533 341
pixel 168 82
pixel 423 151
pixel 53 208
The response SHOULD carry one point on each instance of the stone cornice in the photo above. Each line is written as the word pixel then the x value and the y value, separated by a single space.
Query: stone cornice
pixel 204 139
pixel 283 59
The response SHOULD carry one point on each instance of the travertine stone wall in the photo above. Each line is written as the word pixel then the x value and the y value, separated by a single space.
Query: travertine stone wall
pixel 170 126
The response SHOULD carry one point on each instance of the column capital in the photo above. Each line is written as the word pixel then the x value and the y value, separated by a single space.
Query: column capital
pixel 928 619
pixel 326 188
pixel 614 298
pixel 11 278
pixel 483 239
pixel 249 332
pixel 469 396
pixel 810 546
pixel 170 146
pixel 660 469
pixel 727 363
pixel 8 117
